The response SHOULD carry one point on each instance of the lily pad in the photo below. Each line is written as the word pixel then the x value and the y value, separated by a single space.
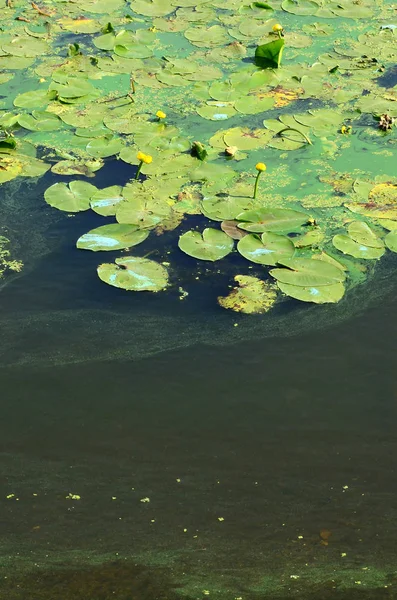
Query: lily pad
pixel 221 208
pixel 104 146
pixel 245 138
pixel 391 241
pixel 272 219
pixel 347 245
pixel 211 245
pixel 319 295
pixel 135 274
pixel 72 197
pixel 268 249
pixel 39 121
pixel 105 201
pixel 112 237
pixel 306 272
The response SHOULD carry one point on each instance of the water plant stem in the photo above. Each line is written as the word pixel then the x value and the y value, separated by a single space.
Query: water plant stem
pixel 297 130
pixel 256 183
pixel 139 169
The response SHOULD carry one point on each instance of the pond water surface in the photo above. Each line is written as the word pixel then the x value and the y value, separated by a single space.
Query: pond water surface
pixel 262 468
pixel 157 446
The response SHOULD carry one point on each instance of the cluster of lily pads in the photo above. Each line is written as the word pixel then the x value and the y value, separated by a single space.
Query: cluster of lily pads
pixel 88 91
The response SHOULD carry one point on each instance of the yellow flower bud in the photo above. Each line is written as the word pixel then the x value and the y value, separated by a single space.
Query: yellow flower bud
pixel 147 159
pixel 260 167
pixel 277 27
pixel 141 156
pixel 160 114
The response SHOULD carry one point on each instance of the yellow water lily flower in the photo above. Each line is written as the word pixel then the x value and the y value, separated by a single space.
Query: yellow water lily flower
pixel 143 158
pixel 160 114
pixel 277 27
pixel 260 167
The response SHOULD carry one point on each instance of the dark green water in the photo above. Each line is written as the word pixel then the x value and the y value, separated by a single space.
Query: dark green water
pixel 281 437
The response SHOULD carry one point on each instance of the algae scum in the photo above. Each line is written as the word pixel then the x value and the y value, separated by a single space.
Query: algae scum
pixel 199 99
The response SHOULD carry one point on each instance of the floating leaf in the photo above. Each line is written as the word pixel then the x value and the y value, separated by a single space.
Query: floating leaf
pixel 105 201
pixel 211 245
pixel 272 219
pixel 73 197
pixel 245 138
pixel 104 146
pixel 362 234
pixel 112 237
pixel 306 272
pixel 136 274
pixel 39 121
pixel 34 99
pixel 391 241
pixel 232 230
pixel 268 249
pixel 251 296
pixel 219 112
pixel 347 245
pixel 221 208
pixel 319 295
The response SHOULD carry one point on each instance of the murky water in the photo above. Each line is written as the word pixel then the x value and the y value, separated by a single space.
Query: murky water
pixel 261 469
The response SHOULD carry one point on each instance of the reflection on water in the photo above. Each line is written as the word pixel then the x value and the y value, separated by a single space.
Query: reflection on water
pixel 264 469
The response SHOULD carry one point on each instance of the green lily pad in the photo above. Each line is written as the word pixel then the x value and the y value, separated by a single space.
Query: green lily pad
pixel 72 87
pixel 112 237
pixel 268 56
pixel 306 272
pixel 152 8
pixel 207 37
pixel 105 201
pixel 74 197
pixel 211 245
pixel 361 233
pixel 135 274
pixel 218 112
pixel 300 7
pixel 34 99
pixel 140 208
pixel 87 117
pixel 310 238
pixel 268 249
pixel 245 138
pixel 347 245
pixel 272 219
pixel 104 146
pixel 391 240
pixel 39 121
pixel 319 295
pixel 26 47
pixel 251 105
pixel 250 296
pixel 221 208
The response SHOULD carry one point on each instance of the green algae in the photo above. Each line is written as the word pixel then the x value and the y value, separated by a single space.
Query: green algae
pixel 7 262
